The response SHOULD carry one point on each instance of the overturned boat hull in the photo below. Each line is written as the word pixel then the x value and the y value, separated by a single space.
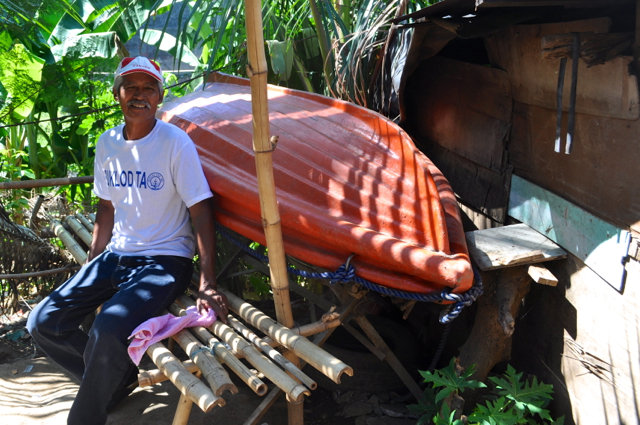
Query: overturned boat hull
pixel 349 182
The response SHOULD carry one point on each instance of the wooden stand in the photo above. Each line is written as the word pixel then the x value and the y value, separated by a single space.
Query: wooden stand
pixel 505 256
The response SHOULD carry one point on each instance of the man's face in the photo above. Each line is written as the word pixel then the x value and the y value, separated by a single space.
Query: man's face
pixel 139 97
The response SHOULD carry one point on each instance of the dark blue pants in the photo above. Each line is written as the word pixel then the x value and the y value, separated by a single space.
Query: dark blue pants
pixel 131 289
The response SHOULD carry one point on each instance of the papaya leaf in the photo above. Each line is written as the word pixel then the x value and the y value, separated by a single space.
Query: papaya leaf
pixel 527 396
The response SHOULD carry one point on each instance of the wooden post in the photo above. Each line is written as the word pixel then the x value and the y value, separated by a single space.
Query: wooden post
pixel 257 71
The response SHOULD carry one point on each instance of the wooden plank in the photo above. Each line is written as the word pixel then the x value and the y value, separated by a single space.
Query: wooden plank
pixel 511 245
pixel 542 275
pixel 602 246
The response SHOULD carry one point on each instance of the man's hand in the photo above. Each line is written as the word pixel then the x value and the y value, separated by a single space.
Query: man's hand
pixel 209 298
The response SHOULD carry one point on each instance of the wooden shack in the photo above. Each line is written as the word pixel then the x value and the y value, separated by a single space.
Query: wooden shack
pixel 530 108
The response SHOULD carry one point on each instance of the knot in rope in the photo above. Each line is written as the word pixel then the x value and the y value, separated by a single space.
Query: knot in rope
pixel 344 274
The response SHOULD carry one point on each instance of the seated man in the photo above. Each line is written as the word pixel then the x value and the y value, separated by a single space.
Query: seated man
pixel 149 182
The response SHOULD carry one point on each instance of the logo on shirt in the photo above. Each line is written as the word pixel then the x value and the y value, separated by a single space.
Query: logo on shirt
pixel 139 179
pixel 155 181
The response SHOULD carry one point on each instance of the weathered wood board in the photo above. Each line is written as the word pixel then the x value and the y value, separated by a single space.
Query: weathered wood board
pixel 602 246
pixel 465 107
pixel 511 245
pixel 606 90
pixel 484 189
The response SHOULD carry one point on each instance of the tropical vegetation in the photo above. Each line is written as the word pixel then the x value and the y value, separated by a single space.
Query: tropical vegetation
pixel 56 57
pixel 511 398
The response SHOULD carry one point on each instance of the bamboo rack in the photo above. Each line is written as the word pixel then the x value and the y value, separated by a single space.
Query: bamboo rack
pixel 219 347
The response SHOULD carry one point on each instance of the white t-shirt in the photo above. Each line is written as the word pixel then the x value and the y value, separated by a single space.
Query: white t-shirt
pixel 151 182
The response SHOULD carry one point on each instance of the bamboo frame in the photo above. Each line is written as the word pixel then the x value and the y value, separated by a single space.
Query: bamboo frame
pixel 189 385
pixel 294 390
pixel 273 354
pixel 212 370
pixel 329 365
pixel 225 356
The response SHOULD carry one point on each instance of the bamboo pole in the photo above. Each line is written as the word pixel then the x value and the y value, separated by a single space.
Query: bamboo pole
pixel 257 71
pixel 212 370
pixel 79 229
pixel 146 378
pixel 183 411
pixel 32 184
pixel 320 359
pixel 74 248
pixel 189 385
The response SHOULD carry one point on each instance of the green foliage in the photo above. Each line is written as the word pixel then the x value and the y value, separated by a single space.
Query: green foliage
pixel 511 400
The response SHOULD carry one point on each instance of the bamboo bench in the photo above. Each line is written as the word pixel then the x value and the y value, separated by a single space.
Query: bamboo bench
pixel 213 350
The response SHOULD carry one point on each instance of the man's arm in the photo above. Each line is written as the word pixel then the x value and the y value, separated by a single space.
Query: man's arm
pixel 102 229
pixel 208 296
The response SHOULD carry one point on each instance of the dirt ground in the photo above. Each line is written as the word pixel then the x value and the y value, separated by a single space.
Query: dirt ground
pixel 34 390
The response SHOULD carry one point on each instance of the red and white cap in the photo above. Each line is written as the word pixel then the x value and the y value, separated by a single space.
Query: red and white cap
pixel 139 64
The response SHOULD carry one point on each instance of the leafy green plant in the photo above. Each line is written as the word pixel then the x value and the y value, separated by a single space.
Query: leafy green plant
pixel 511 400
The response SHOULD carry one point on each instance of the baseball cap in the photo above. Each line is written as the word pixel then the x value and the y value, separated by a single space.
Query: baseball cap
pixel 139 64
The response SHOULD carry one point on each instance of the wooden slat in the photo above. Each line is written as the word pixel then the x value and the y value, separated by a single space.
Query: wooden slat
pixel 511 245
pixel 542 275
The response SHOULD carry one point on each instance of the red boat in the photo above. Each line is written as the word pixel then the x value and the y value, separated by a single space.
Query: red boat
pixel 348 182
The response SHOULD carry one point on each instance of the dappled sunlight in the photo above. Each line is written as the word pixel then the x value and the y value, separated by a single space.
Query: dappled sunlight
pixel 31 391
pixel 347 180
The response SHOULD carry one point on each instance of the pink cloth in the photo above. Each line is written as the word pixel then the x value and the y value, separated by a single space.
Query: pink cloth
pixel 161 327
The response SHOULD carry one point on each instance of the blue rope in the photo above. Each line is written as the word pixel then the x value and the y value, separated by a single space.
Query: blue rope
pixel 346 273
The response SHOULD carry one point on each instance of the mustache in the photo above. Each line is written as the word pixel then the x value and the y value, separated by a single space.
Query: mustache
pixel 138 103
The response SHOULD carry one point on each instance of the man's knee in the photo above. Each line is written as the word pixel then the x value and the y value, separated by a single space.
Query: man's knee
pixel 36 322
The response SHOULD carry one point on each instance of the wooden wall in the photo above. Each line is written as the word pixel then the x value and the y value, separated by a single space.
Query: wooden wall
pixel 481 122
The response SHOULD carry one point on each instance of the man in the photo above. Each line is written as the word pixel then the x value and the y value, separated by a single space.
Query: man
pixel 149 182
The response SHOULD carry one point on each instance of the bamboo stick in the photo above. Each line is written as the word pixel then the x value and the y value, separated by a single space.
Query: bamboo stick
pixel 189 385
pixel 74 248
pixel 85 222
pixel 225 356
pixel 32 184
pixel 273 354
pixel 183 411
pixel 310 329
pixel 146 378
pixel 212 370
pixel 257 70
pixel 40 273
pixel 320 359
pixel 79 229
pixel 294 390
